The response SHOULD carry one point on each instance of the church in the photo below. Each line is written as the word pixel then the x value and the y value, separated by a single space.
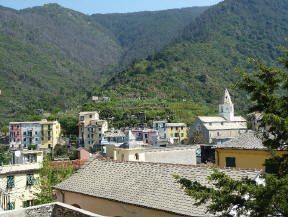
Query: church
pixel 217 130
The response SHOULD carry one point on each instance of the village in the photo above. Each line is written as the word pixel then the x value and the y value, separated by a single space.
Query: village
pixel 129 171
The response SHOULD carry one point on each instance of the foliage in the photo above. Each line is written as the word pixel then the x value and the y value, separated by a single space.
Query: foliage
pixel 201 64
pixel 268 88
pixel 197 138
pixel 5 156
pixel 135 112
pixel 51 57
pixel 5 130
pixel 49 177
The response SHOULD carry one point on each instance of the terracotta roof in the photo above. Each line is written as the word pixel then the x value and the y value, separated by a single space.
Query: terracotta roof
pixel 149 185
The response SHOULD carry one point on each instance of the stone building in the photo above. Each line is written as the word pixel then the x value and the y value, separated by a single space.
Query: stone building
pixel 137 189
pixel 226 126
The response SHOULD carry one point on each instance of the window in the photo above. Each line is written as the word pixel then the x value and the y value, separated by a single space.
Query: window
pixel 182 134
pixel 176 128
pixel 230 162
pixel 210 124
pixel 222 123
pixel 218 134
pixel 81 118
pixel 11 205
pixel 17 126
pixel 90 116
pixel 146 136
pixel 137 156
pixel 18 133
pixel 10 182
pixel 182 142
pixel 88 136
pixel 36 133
pixel 100 135
pixel 18 140
pixel 182 128
pixel 24 133
pixel 30 179
pixel 49 138
pixel 176 134
pixel 24 139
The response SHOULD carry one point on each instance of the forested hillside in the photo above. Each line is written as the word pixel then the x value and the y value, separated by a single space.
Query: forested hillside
pixel 144 33
pixel 50 56
pixel 202 62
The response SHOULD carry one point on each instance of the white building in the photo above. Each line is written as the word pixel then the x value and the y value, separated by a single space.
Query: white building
pixel 161 128
pixel 133 150
pixel 17 180
pixel 226 126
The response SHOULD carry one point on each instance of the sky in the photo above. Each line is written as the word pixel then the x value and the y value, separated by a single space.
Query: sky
pixel 110 6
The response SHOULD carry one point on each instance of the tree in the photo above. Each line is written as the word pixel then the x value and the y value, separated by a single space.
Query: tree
pixel 50 176
pixel 268 88
pixel 197 138
pixel 5 130
pixel 5 156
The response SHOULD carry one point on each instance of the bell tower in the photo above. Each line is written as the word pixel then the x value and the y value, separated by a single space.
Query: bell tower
pixel 226 107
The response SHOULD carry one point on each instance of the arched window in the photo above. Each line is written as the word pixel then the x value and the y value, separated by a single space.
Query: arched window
pixel 137 156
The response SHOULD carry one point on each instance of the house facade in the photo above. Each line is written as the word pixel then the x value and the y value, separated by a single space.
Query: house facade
pixel 50 134
pixel 84 120
pixel 44 134
pixel 17 180
pixel 245 151
pixel 112 139
pixel 144 135
pixel 217 130
pixel 93 133
pixel 174 133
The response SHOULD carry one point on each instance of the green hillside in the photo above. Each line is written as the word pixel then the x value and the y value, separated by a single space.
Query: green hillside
pixel 201 63
pixel 144 33
pixel 50 56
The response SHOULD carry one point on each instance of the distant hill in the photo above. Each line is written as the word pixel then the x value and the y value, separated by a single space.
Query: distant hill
pixel 201 63
pixel 144 33
pixel 50 56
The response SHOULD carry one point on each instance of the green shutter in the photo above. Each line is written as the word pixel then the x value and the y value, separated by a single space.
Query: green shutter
pixel 230 162
pixel 30 179
pixel 11 205
pixel 1 160
pixel 10 181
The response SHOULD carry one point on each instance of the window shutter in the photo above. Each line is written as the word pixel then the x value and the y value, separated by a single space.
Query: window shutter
pixel 230 162
pixel 30 179
pixel 11 205
pixel 10 181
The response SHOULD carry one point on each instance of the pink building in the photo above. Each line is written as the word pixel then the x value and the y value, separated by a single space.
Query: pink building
pixel 144 135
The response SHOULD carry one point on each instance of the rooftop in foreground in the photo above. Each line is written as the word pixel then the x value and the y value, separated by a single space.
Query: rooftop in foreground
pixel 148 185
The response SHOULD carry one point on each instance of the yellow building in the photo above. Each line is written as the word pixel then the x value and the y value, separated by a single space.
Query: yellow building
pixel 177 133
pixel 245 152
pixel 17 180
pixel 84 120
pixel 50 134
